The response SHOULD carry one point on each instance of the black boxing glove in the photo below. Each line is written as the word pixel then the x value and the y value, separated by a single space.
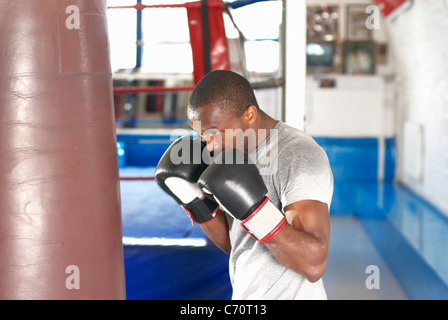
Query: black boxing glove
pixel 177 174
pixel 240 190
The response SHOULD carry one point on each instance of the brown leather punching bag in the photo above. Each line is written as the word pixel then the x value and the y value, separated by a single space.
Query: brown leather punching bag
pixel 60 214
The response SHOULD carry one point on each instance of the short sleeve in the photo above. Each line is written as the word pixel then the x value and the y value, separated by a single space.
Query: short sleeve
pixel 304 173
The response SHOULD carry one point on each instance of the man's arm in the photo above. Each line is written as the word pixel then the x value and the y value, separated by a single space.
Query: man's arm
pixel 297 238
pixel 302 245
pixel 217 231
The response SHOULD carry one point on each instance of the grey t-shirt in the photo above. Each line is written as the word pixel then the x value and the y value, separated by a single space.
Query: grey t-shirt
pixel 294 167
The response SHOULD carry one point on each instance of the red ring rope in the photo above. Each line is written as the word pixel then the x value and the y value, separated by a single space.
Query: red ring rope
pixel 140 6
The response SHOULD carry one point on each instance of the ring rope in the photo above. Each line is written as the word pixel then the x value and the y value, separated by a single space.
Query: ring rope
pixel 140 6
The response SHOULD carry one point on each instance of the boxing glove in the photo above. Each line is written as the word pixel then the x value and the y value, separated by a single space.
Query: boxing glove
pixel 177 174
pixel 239 189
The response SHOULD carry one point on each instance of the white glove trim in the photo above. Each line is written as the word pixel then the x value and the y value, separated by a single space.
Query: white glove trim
pixel 265 222
pixel 186 191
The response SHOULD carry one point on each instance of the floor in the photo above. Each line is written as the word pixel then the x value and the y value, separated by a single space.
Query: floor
pixel 351 253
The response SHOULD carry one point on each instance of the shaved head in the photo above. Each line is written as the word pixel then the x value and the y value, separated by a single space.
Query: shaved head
pixel 225 90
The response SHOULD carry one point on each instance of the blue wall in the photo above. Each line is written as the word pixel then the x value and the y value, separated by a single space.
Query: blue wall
pixel 357 158
pixel 353 161
pixel 143 150
pixel 350 158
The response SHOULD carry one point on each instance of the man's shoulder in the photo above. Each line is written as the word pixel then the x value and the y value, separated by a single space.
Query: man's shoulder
pixel 294 141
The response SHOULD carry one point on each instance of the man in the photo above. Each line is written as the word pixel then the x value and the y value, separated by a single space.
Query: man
pixel 272 216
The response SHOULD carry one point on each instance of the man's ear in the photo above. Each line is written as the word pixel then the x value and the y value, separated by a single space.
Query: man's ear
pixel 250 115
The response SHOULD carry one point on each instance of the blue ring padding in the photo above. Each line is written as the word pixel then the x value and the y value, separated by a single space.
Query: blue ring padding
pixel 135 122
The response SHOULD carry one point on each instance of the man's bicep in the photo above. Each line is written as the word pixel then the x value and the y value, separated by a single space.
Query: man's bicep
pixel 311 217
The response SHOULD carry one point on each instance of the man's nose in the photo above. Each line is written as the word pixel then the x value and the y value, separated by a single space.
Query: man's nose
pixel 214 145
pixel 211 145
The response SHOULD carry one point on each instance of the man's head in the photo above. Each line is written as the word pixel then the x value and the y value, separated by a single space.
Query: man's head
pixel 222 108
pixel 224 89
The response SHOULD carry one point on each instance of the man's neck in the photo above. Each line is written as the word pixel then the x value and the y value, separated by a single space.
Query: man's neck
pixel 266 123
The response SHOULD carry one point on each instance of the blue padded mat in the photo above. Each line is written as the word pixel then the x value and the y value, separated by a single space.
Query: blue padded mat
pixel 169 268
pixel 150 212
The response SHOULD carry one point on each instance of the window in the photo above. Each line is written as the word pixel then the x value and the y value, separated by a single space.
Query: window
pixel 165 41
pixel 122 37
pixel 260 24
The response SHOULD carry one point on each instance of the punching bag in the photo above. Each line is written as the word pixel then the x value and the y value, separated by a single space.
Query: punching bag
pixel 60 212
